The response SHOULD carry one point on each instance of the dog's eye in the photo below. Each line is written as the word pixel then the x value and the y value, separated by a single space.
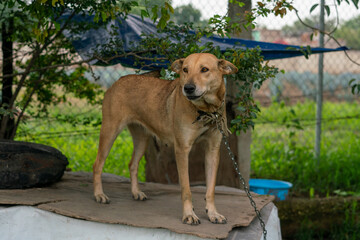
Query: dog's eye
pixel 185 70
pixel 204 69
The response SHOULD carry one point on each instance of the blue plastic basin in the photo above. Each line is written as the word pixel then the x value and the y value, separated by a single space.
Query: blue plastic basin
pixel 279 189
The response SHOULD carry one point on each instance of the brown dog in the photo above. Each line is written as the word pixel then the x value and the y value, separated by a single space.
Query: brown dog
pixel 168 109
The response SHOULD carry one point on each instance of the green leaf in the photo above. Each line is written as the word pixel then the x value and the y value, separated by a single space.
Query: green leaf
pixel 251 123
pixel 311 36
pixel 96 17
pixel 296 121
pixel 313 7
pixel 237 120
pixel 341 193
pixel 282 104
pixel 154 11
pixel 103 16
pixel 308 49
pixel 284 120
pixel 299 127
pixel 311 192
pixel 241 109
pixel 356 3
pixel 241 4
pixel 163 72
pixel 351 81
pixel 327 8
pixel 353 88
pixel 57 26
pixel 291 134
pixel 169 7
pixel 11 4
pixel 162 23
pixel 144 13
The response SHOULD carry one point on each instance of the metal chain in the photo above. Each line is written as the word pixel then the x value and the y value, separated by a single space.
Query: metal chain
pixel 242 180
pixel 218 119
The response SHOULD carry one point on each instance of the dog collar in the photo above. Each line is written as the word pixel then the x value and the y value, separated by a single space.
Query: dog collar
pixel 216 119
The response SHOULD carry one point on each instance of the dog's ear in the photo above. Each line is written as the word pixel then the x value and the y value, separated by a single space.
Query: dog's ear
pixel 177 65
pixel 227 67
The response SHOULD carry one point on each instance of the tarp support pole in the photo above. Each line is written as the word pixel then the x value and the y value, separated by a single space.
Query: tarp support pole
pixel 243 141
pixel 319 93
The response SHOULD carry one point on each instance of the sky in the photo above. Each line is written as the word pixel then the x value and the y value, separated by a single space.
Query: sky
pixel 210 7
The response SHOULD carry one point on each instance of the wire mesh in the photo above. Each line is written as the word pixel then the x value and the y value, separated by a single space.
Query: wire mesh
pixel 287 101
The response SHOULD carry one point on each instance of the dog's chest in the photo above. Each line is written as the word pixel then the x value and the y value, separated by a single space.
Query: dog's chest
pixel 203 131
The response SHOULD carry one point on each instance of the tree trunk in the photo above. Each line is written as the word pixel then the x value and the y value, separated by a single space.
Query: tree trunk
pixel 243 141
pixel 160 159
pixel 7 68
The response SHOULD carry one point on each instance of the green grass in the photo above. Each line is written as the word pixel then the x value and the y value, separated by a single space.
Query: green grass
pixel 78 142
pixel 287 153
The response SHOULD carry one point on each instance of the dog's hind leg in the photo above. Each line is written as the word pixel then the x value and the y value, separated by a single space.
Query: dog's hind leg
pixel 108 133
pixel 140 141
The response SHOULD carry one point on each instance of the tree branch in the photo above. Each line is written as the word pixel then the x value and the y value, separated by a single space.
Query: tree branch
pixel 36 54
pixel 37 84
pixel 327 34
pixel 105 60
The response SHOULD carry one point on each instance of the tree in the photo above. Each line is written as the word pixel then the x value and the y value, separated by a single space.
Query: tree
pixel 188 14
pixel 7 69
pixel 350 32
pixel 143 6
pixel 35 29
pixel 298 27
pixel 43 55
pixel 241 142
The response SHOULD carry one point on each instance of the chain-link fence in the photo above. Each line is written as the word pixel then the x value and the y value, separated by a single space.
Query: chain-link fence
pixel 286 128
pixel 74 128
pixel 287 101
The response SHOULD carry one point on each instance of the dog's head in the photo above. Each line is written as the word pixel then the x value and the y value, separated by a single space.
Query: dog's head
pixel 201 77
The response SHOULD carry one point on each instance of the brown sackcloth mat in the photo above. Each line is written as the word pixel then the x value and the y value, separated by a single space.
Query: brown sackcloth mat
pixel 73 197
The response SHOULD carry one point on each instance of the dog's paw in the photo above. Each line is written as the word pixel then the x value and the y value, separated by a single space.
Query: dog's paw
pixel 215 217
pixel 140 196
pixel 102 198
pixel 191 219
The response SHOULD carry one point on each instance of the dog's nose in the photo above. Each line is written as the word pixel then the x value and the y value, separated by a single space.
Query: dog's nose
pixel 189 88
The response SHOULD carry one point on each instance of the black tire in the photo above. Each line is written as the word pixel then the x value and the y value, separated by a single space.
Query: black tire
pixel 25 165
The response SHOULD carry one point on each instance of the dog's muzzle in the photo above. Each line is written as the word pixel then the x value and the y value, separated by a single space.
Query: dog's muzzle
pixel 189 91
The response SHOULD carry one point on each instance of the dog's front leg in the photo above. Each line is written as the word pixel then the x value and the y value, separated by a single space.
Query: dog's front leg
pixel 212 156
pixel 182 163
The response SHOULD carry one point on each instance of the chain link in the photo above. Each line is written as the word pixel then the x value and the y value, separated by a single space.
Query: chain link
pixel 242 180
pixel 218 119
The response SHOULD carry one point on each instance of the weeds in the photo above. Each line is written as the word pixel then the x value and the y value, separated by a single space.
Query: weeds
pixel 285 151
pixel 76 135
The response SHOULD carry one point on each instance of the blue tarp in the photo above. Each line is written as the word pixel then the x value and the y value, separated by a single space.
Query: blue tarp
pixel 129 31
